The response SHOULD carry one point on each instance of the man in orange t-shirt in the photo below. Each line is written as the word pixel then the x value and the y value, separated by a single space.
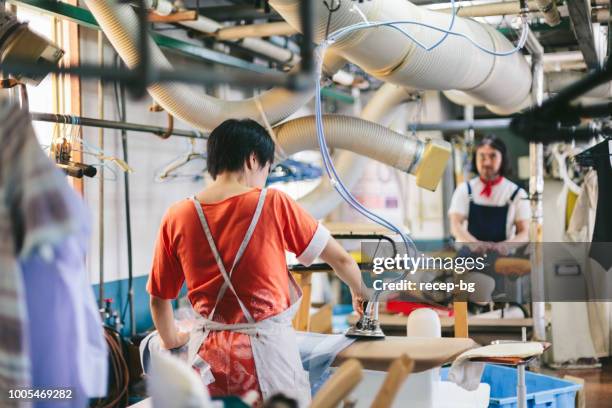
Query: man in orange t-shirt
pixel 228 244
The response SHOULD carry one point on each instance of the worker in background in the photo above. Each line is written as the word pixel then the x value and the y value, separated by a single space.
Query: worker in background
pixel 228 244
pixel 490 213
pixel 490 210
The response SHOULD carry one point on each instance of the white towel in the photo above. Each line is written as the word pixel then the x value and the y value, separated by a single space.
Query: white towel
pixel 466 373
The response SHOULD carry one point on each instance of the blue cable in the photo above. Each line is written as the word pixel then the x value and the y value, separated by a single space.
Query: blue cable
pixel 327 161
pixel 395 25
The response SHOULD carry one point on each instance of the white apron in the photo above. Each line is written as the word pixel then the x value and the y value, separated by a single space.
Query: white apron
pixel 273 340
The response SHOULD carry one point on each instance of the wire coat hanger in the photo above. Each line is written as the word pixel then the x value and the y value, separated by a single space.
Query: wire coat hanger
pixel 179 162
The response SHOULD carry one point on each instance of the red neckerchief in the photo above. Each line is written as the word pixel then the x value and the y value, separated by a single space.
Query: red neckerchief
pixel 488 185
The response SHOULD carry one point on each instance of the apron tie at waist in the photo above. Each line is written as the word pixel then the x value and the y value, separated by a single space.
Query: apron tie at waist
pixel 244 328
pixel 251 329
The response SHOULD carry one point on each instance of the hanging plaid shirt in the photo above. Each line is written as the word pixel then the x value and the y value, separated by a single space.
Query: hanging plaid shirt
pixel 35 209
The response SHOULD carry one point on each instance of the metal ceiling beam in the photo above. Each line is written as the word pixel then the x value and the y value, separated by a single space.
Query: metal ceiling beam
pixel 458 125
pixel 84 18
pixel 580 15
pixel 111 124
pixel 237 13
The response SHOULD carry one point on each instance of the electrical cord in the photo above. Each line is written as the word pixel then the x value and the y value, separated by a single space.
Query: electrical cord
pixel 119 91
pixel 119 379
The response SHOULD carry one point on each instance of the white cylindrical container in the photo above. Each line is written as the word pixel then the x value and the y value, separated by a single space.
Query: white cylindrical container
pixel 423 323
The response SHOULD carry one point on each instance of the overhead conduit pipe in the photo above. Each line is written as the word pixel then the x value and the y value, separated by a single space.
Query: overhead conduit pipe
pixel 503 83
pixel 324 199
pixel 120 24
pixel 556 81
pixel 257 45
pixel 212 27
pixel 552 17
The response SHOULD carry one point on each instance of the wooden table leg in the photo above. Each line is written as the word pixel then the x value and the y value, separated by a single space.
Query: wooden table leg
pixel 461 319
pixel 301 321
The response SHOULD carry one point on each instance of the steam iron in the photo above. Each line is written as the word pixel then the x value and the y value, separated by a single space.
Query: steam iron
pixel 366 328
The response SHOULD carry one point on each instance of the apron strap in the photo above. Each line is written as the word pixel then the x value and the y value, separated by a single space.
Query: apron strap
pixel 518 188
pixel 469 190
pixel 241 250
pixel 227 277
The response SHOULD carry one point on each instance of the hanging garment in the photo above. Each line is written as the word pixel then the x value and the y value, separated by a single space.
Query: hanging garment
pixel 599 157
pixel 44 230
pixel 582 220
pixel 260 279
pixel 67 345
pixel 273 340
pixel 580 229
pixel 14 359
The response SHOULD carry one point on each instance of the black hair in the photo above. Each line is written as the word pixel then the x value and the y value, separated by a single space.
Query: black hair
pixel 232 142
pixel 496 143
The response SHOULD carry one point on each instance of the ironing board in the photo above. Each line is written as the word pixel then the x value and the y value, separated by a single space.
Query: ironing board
pixel 512 361
pixel 425 352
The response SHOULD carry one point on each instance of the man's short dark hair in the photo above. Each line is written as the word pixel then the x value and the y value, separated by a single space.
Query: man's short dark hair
pixel 496 143
pixel 232 142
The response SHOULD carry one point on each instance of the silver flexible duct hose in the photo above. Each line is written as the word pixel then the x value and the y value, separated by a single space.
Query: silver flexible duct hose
pixel 354 134
pixel 426 160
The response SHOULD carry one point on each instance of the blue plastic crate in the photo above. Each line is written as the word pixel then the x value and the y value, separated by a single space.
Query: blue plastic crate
pixel 543 391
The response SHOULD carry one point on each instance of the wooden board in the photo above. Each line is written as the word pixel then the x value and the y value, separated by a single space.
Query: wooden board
pixel 186 15
pixel 425 352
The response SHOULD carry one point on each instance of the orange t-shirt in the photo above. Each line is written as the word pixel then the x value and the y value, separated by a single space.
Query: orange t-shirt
pixel 261 278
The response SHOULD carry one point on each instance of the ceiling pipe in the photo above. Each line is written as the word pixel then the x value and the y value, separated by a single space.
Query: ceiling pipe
pixel 549 9
pixel 491 9
pixel 257 45
pixel 207 26
pixel 239 32
pixel 600 15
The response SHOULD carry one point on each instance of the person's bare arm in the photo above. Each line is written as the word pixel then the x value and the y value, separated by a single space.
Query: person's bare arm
pixel 347 269
pixel 458 228
pixel 163 318
pixel 522 232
